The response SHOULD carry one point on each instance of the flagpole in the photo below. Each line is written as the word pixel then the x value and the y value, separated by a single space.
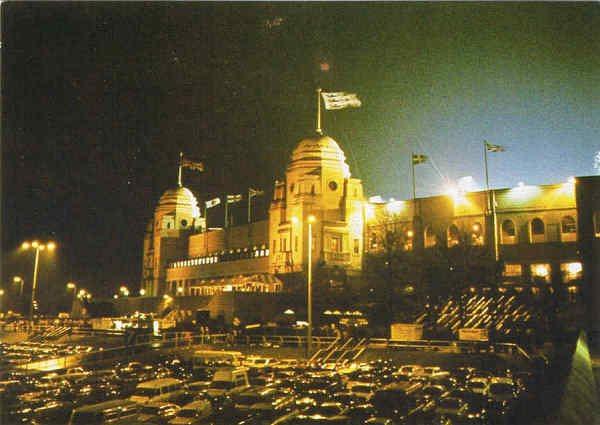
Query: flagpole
pixel 319 130
pixel 249 205
pixel 180 167
pixel 412 164
pixel 491 198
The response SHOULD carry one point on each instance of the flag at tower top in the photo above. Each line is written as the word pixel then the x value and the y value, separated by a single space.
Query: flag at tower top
pixel 494 148
pixel 340 100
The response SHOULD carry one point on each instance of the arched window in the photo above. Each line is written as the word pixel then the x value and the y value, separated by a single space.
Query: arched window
pixel 568 229
pixel 429 237
pixel 477 235
pixel 453 238
pixel 509 233
pixel 538 231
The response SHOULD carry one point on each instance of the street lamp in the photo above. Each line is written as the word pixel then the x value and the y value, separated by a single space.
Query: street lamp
pixel 124 290
pixel 310 219
pixel 19 280
pixel 38 247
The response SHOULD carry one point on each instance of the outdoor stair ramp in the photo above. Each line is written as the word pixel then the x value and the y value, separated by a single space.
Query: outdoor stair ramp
pixel 320 353
pixel 353 353
pixel 338 351
pixel 325 354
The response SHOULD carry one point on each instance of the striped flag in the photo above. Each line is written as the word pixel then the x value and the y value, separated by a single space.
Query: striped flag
pixel 233 198
pixel 340 100
pixel 197 166
pixel 494 148
pixel 419 159
pixel 213 202
pixel 254 192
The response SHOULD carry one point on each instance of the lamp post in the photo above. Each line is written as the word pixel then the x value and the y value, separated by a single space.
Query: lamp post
pixel 310 219
pixel 19 280
pixel 72 286
pixel 38 247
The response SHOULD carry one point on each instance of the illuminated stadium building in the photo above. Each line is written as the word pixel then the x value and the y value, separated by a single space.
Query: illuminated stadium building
pixel 542 232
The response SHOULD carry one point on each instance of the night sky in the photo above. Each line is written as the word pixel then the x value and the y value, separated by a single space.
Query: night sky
pixel 98 99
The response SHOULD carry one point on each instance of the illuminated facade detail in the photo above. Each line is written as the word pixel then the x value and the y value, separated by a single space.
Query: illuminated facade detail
pixel 513 270
pixel 571 271
pixel 539 230
pixel 326 190
pixel 541 271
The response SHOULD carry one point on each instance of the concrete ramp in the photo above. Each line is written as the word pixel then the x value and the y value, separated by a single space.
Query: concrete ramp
pixel 579 403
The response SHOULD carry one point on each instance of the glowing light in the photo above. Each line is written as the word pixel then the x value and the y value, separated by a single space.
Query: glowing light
pixel 51 245
pixel 180 289
pixel 71 285
pixel 410 233
pixel 311 218
pixel 17 279
pixel 289 311
pixel 369 212
pixel 35 244
pixel 142 292
pixel 541 270
pixel 1 291
pixel 115 296
pixel 476 227
pixel 574 268
pixel 227 288
pixel 295 220
pixel 394 207
pixel 26 245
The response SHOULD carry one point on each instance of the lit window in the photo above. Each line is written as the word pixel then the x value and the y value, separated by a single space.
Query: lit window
pixel 571 271
pixel 512 270
pixel 568 229
pixel 429 237
pixel 477 235
pixel 537 230
pixel 541 271
pixel 453 238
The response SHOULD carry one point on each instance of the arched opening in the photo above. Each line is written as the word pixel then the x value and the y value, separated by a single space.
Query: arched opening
pixel 452 234
pixel 568 229
pixel 538 231
pixel 429 237
pixel 509 233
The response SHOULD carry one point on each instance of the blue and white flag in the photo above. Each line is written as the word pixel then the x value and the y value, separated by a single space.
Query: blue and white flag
pixel 340 100
pixel 213 202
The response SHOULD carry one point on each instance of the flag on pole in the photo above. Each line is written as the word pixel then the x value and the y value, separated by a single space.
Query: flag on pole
pixel 254 192
pixel 233 198
pixel 340 100
pixel 196 166
pixel 494 148
pixel 419 159
pixel 213 202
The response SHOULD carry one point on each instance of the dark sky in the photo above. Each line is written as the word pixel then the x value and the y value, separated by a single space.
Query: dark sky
pixel 98 99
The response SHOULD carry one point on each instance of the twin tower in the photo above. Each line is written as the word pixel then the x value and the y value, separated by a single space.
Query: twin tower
pixel 318 198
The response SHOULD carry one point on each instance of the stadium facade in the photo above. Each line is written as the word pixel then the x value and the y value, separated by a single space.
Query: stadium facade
pixel 541 232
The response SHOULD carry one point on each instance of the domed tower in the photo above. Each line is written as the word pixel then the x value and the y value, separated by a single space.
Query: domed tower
pixel 176 216
pixel 318 184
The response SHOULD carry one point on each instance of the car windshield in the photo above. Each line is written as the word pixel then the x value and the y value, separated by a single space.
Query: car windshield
pixel 147 392
pixel 221 385
pixel 86 418
pixel 501 388
pixel 149 410
pixel 450 403
pixel 188 413
pixel 247 400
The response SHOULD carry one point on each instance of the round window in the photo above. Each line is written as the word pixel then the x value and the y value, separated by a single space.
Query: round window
pixel 184 223
pixel 332 185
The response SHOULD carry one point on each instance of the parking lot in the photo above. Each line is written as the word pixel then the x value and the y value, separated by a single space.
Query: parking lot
pixel 382 386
